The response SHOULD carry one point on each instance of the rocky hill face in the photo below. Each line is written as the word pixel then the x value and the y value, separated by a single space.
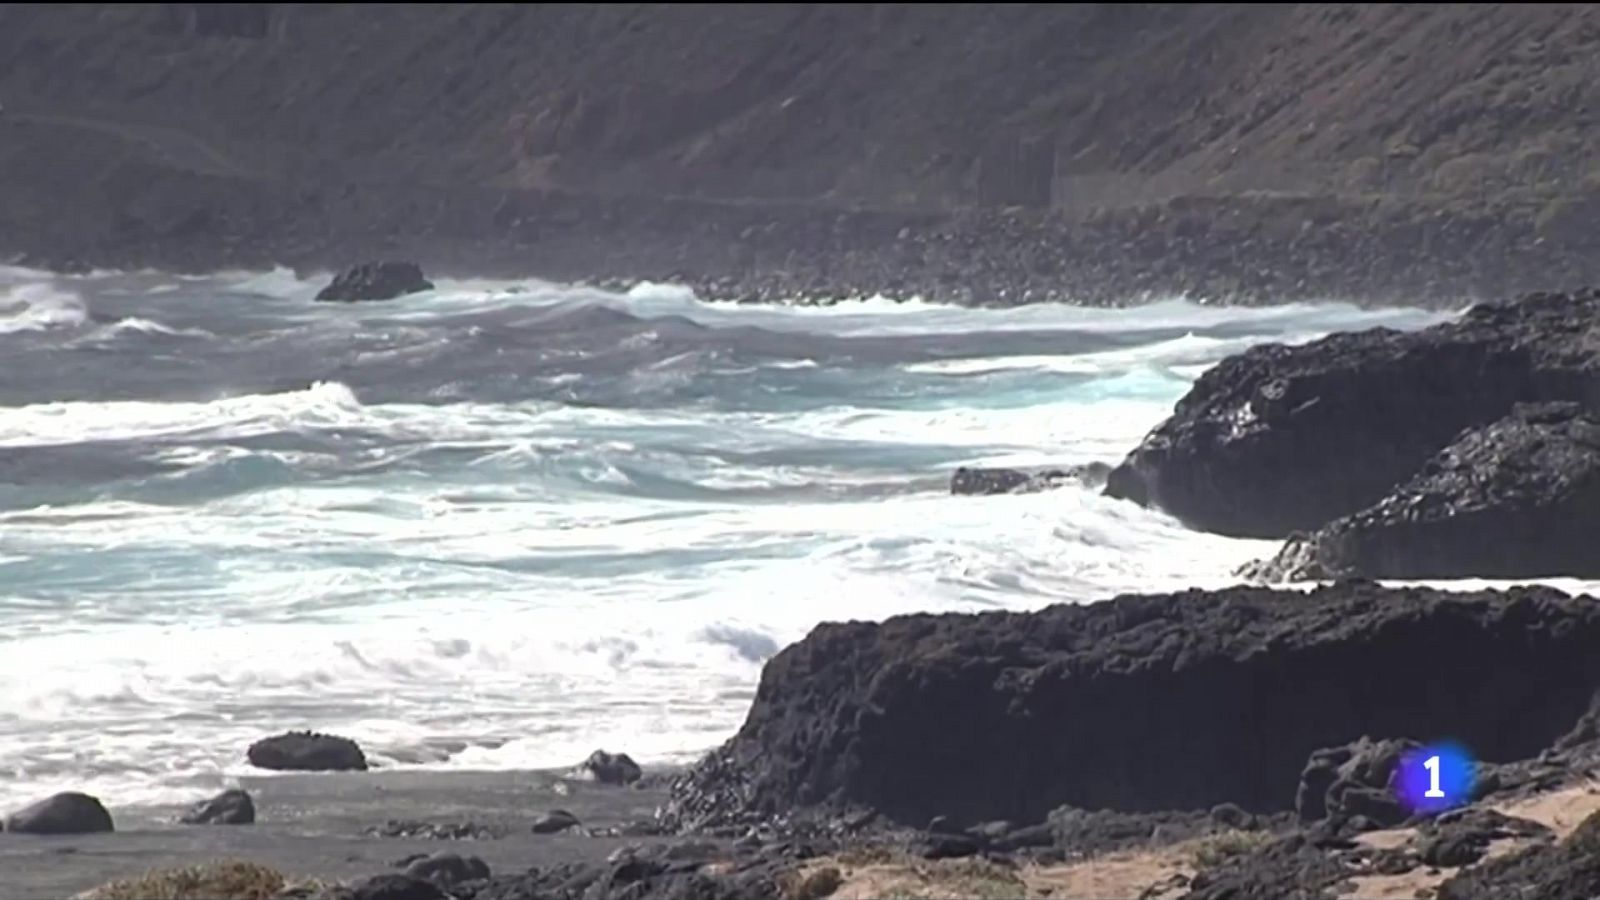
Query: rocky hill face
pixel 1138 130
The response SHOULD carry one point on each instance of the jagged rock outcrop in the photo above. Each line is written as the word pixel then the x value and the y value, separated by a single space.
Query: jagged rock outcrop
pixel 1280 439
pixel 376 281
pixel 1519 498
pixel 1134 704
pixel 1356 779
pixel 1462 837
pixel 1565 870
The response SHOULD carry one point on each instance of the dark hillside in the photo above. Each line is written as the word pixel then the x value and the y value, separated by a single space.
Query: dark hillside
pixel 1456 131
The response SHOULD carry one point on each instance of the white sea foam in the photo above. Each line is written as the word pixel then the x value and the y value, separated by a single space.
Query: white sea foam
pixel 497 584
pixel 34 307
pixel 72 422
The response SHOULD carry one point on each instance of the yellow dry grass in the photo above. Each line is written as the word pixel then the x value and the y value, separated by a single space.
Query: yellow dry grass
pixel 229 879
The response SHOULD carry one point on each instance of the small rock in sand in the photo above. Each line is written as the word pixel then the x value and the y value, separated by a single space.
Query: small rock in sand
pixel 557 821
pixel 387 887
pixel 448 869
pixel 612 768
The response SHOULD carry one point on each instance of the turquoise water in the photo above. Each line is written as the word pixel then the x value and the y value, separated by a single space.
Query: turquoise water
pixel 500 525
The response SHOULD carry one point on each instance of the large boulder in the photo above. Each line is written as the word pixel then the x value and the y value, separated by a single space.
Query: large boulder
pixel 306 751
pixel 1519 498
pixel 1280 439
pixel 65 813
pixel 231 807
pixel 1135 704
pixel 376 281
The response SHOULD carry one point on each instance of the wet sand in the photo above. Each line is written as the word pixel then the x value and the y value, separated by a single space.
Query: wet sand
pixel 312 825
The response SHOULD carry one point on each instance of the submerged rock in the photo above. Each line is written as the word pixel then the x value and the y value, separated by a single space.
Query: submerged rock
pixel 1113 700
pixel 967 481
pixel 232 807
pixel 306 751
pixel 65 813
pixel 1280 439
pixel 376 281
pixel 1519 498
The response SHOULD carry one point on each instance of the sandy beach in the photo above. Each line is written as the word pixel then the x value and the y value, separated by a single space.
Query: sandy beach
pixel 314 826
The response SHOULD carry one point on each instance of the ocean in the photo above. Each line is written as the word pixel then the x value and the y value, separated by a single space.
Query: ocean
pixel 499 525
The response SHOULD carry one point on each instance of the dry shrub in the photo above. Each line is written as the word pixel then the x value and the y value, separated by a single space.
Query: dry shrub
pixel 228 879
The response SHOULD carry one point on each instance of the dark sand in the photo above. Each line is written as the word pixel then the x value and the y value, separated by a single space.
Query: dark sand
pixel 311 825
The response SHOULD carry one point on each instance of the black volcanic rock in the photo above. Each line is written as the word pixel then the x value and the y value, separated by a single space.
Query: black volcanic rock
pixel 376 281
pixel 437 831
pixel 660 872
pixel 1566 870
pixel 1354 779
pixel 1287 868
pixel 231 807
pixel 611 768
pixel 65 813
pixel 1136 704
pixel 971 480
pixel 1519 498
pixel 1461 837
pixel 386 887
pixel 306 751
pixel 555 821
pixel 446 870
pixel 1280 439
pixel 1103 831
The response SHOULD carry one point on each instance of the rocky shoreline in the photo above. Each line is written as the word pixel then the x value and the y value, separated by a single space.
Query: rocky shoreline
pixel 1238 249
pixel 1463 450
pixel 1245 742
pixel 1205 745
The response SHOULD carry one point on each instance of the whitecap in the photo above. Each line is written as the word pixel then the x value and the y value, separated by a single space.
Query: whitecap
pixel 37 307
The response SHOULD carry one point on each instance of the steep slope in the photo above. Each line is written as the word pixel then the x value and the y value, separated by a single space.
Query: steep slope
pixel 1475 110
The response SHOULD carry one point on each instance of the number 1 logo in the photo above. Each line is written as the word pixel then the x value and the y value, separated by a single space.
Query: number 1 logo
pixel 1432 765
